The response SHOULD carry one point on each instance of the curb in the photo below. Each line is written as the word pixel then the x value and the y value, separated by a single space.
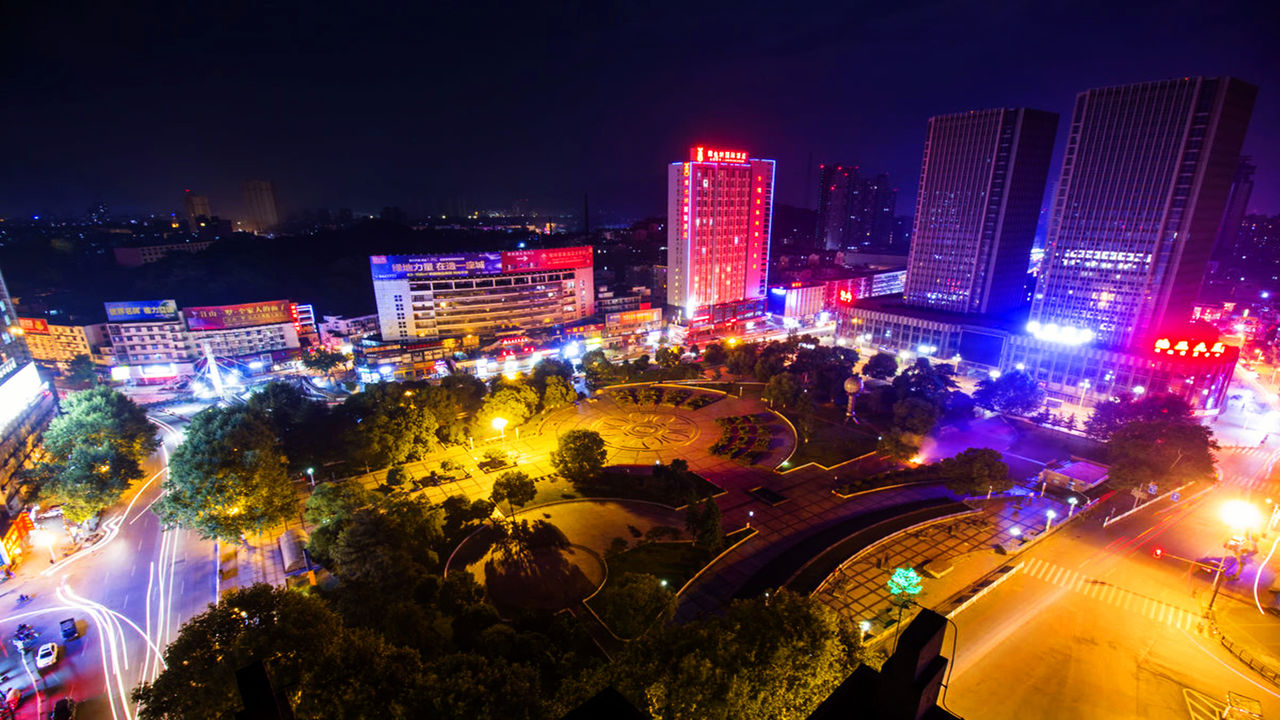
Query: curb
pixel 715 560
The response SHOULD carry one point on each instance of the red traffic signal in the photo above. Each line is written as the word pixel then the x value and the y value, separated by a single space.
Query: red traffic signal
pixel 1157 552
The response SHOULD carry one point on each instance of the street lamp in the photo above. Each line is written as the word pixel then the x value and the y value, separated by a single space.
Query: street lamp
pixel 864 627
pixel 1071 502
pixel 1048 519
pixel 500 424
pixel 311 472
pixel 1240 517
pixel 44 537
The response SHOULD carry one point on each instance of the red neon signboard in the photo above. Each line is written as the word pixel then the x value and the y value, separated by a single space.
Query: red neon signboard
pixel 35 326
pixel 1189 348
pixel 705 154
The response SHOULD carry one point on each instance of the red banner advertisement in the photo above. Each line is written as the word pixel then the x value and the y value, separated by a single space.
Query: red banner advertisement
pixel 552 259
pixel 227 317
pixel 34 326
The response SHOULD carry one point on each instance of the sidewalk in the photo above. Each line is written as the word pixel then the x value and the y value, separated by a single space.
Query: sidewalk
pixel 1251 636
pixel 967 545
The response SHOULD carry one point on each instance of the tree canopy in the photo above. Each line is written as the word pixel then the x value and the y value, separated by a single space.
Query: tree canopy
pixel 580 455
pixel 976 471
pixel 881 366
pixel 228 477
pixel 1110 416
pixel 387 424
pixel 1014 392
pixel 515 488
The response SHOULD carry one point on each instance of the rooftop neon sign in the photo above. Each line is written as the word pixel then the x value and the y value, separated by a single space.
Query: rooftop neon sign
pixel 705 154
pixel 1189 348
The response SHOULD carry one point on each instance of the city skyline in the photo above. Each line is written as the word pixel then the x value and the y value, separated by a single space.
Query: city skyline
pixel 366 141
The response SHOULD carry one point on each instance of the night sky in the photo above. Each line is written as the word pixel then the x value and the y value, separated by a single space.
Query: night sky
pixel 435 106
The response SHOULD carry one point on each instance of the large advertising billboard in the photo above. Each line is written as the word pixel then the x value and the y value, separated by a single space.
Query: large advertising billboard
pixel 227 317
pixel 34 326
pixel 430 267
pixel 141 311
pixel 550 259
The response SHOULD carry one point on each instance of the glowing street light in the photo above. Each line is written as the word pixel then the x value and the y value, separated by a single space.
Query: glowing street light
pixel 500 424
pixel 311 472
pixel 44 537
pixel 864 627
pixel 1071 502
pixel 1241 515
pixel 1048 519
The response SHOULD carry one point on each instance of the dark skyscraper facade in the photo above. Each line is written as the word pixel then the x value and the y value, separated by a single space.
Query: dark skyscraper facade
pixel 1237 207
pixel 260 201
pixel 981 184
pixel 1144 185
pixel 855 212
pixel 834 185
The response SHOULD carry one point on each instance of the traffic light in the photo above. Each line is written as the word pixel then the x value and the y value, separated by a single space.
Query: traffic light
pixel 1157 552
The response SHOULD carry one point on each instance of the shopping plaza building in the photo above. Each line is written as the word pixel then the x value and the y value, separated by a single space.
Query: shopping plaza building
pixel 27 404
pixel 154 342
pixel 468 297
pixel 1143 187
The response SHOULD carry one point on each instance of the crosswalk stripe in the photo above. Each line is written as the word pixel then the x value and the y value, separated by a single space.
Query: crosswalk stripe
pixel 1105 592
pixel 1164 612
pixel 1056 576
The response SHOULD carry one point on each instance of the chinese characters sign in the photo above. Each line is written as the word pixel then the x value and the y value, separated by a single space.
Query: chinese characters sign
pixel 427 267
pixel 704 154
pixel 226 317
pixel 553 259
pixel 1189 348
pixel 34 326
pixel 142 311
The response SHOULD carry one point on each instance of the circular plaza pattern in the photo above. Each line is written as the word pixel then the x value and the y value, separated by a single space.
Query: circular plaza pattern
pixel 646 430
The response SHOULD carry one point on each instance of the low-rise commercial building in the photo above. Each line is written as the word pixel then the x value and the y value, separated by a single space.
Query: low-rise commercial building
pixel 55 344
pixel 153 342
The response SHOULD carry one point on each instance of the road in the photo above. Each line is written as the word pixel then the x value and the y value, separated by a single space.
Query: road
pixel 1093 625
pixel 130 593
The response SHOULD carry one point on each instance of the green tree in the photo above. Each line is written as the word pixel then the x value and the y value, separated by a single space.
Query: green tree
pixel 513 400
pixel 915 415
pixel 557 393
pixel 634 603
pixel 703 523
pixel 976 471
pixel 900 444
pixel 782 391
pixel 881 366
pixel 1014 393
pixel 741 359
pixel 228 477
pixel 599 371
pixel 323 361
pixel 335 501
pixel 775 657
pixel 89 481
pixel 927 381
pixel 304 644
pixel 302 425
pixel 386 425
pixel 1166 452
pixel 714 354
pixel 1110 416
pixel 580 455
pixel 546 370
pixel 397 476
pixel 81 370
pixel 667 357
pixel 98 416
pixel 515 488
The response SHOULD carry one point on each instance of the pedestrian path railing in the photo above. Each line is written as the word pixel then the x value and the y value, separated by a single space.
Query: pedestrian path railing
pixel 1250 659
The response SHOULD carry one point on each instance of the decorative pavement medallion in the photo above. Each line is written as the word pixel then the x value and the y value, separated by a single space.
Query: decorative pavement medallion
pixel 646 430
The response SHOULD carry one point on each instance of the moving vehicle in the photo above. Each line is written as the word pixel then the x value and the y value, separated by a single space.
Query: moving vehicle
pixel 47 656
pixel 64 709
pixel 25 638
pixel 12 698
pixel 69 630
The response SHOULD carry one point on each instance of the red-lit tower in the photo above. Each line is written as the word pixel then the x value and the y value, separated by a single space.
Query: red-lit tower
pixel 720 212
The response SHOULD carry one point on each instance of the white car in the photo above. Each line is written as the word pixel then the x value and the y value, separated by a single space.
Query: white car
pixel 47 656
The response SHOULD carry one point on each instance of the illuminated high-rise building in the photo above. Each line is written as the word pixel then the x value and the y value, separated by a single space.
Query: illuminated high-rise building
pixel 981 184
pixel 260 201
pixel 720 212
pixel 1143 188
pixel 26 404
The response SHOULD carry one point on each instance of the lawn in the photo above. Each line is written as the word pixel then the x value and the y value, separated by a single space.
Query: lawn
pixel 628 486
pixel 674 562
pixel 831 443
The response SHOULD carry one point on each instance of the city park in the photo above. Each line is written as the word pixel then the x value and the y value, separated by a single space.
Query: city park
pixel 525 545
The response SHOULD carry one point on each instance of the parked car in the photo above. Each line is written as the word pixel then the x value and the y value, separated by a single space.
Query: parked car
pixel 64 709
pixel 47 656
pixel 69 630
